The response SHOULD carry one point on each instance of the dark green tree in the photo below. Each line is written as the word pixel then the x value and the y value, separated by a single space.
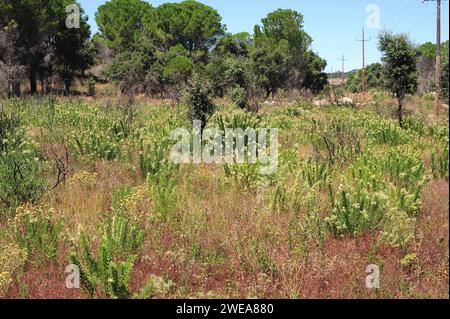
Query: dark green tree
pixel 399 66
pixel 190 23
pixel 282 58
pixel 44 42
pixel 123 23
pixel 235 45
pixel 73 51
pixel 35 22
pixel 315 79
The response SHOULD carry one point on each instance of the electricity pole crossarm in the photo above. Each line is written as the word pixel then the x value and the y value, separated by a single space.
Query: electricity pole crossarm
pixel 363 40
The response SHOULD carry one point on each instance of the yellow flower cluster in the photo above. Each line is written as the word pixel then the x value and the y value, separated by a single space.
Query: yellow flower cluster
pixel 83 179
pixel 31 211
pixel 12 260
pixel 137 202
pixel 23 212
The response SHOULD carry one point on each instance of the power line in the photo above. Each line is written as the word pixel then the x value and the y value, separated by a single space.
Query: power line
pixel 398 13
pixel 422 22
pixel 407 16
pixel 419 24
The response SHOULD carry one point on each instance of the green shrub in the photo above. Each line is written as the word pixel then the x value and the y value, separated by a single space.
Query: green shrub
pixel 356 209
pixel 385 132
pixel 440 162
pixel 415 124
pixel 199 102
pixel 96 143
pixel 239 97
pixel 314 171
pixel 377 192
pixel 37 232
pixel 162 186
pixel 109 274
pixel 21 171
pixel 154 155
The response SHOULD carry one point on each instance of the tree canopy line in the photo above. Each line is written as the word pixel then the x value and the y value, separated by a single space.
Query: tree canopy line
pixel 157 50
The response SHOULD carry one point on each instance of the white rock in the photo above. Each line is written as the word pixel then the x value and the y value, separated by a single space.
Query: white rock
pixel 320 103
pixel 345 101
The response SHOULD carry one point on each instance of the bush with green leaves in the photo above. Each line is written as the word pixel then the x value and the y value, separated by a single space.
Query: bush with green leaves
pixel 22 167
pixel 440 161
pixel 109 274
pixel 355 209
pixel 239 97
pixel 91 131
pixel 378 191
pixel 37 232
pixel 245 175
pixel 415 124
pixel 399 65
pixel 383 131
pixel 161 174
pixel 153 155
pixel 314 171
pixel 96 143
pixel 199 102
pixel 162 186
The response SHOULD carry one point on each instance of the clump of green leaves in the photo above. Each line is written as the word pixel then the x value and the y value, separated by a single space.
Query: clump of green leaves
pixel 380 192
pixel 399 66
pixel 199 102
pixel 239 97
pixel 109 274
pixel 385 132
pixel 21 164
pixel 440 162
pixel 37 232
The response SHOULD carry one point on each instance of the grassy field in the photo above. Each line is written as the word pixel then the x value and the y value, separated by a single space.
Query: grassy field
pixel 89 183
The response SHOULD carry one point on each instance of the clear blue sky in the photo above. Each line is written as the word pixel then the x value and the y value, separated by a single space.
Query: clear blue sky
pixel 334 25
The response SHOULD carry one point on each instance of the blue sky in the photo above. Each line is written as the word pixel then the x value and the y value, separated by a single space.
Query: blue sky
pixel 334 25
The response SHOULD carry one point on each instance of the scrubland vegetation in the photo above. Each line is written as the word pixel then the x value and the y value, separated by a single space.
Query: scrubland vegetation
pixel 86 178
pixel 352 189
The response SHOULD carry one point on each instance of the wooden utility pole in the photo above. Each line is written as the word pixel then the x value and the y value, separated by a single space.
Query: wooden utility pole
pixel 343 59
pixel 438 59
pixel 363 63
pixel 437 101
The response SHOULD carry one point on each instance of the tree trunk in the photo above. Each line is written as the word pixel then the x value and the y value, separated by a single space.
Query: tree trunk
pixel 33 81
pixel 400 111
pixel 16 89
pixel 67 85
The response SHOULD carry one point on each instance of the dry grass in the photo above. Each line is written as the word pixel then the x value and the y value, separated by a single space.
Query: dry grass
pixel 222 241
